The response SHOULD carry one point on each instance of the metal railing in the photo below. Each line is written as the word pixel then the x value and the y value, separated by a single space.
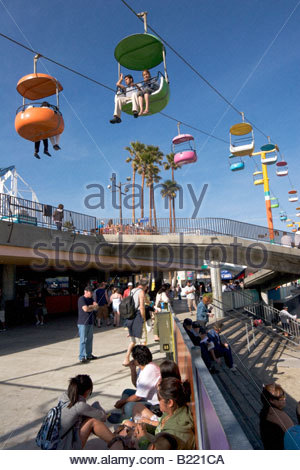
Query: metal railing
pixel 271 317
pixel 17 210
pixel 239 298
pixel 24 211
pixel 186 226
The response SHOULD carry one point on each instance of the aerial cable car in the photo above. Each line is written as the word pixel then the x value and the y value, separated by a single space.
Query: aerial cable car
pixel 241 139
pixel 258 178
pixel 274 202
pixel 298 213
pixel 183 146
pixel 271 157
pixel 293 197
pixel 283 216
pixel 143 52
pixel 282 168
pixel 236 166
pixel 38 120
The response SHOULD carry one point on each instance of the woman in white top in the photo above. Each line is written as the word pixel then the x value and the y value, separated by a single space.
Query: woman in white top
pixel 115 299
pixel 161 296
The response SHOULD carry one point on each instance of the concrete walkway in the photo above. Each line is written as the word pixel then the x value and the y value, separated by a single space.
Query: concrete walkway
pixel 36 364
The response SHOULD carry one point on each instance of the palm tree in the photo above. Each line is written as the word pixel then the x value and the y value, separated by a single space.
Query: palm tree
pixel 153 158
pixel 169 190
pixel 170 164
pixel 135 149
pixel 152 177
pixel 149 156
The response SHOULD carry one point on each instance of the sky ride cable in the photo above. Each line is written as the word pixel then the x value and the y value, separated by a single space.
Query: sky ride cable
pixel 195 70
pixel 194 128
pixel 99 83
pixel 57 63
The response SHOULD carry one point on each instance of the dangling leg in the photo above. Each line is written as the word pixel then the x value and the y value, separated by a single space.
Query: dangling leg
pixel 36 149
pixel 141 103
pixel 146 96
pixel 55 141
pixel 45 142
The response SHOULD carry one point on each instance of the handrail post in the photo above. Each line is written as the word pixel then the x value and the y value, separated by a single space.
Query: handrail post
pixel 247 336
pixel 253 334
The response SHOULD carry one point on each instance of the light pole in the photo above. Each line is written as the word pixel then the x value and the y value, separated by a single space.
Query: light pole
pixel 118 187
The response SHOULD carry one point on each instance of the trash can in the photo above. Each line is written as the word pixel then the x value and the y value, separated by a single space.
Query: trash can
pixel 165 329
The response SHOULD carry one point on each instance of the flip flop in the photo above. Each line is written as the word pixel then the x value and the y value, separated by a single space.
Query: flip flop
pixel 126 365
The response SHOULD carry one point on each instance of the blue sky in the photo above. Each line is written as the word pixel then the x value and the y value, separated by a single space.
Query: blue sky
pixel 248 50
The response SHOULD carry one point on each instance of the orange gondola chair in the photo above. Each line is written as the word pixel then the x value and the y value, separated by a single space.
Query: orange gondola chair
pixel 38 120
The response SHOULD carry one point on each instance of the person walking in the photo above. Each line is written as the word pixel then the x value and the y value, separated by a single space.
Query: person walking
pixel 285 317
pixel 203 312
pixel 38 310
pixel 58 216
pixel 115 299
pixel 189 291
pixel 85 323
pixel 137 325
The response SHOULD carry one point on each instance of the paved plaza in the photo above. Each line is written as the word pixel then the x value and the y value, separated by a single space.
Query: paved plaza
pixel 36 364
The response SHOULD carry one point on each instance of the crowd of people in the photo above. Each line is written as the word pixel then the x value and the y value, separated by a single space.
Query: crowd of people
pixel 287 240
pixel 154 415
pixel 101 305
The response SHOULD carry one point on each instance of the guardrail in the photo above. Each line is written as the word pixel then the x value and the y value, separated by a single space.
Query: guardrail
pixel 216 426
pixel 239 298
pixel 271 317
pixel 19 210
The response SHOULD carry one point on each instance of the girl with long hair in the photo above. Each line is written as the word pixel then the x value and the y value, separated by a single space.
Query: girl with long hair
pixel 78 419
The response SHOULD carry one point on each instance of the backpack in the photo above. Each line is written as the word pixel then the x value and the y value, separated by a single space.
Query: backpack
pixel 48 436
pixel 127 307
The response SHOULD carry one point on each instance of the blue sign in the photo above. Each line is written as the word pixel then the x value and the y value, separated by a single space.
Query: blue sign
pixel 226 274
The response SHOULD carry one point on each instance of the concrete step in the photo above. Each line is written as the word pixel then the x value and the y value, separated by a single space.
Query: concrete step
pixel 240 344
pixel 262 342
pixel 244 406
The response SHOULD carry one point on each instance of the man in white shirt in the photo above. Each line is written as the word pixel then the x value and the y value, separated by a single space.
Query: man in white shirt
pixel 284 318
pixel 145 375
pixel 189 291
pixel 128 95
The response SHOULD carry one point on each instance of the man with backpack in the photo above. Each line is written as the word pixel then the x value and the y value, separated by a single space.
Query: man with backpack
pixel 135 317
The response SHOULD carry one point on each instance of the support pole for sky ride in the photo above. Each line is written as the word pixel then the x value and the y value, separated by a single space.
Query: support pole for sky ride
pixel 267 194
pixel 267 199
